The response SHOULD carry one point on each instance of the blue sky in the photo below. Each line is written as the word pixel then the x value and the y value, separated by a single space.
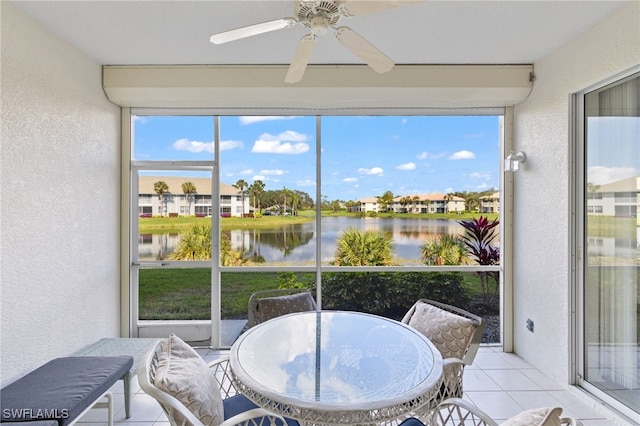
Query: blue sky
pixel 362 156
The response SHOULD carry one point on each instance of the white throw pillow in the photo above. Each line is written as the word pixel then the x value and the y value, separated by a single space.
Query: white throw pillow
pixel 183 374
pixel 536 417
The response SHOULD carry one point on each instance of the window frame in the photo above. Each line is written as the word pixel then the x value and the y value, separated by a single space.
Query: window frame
pixel 579 240
pixel 505 209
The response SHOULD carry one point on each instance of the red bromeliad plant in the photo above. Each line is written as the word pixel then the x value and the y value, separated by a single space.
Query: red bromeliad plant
pixel 479 233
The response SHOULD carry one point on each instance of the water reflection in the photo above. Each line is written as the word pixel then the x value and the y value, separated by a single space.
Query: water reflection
pixel 296 244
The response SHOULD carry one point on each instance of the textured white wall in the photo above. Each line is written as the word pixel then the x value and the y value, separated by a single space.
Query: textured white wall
pixel 59 199
pixel 541 204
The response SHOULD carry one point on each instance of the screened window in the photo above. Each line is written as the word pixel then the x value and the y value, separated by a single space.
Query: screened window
pixel 339 195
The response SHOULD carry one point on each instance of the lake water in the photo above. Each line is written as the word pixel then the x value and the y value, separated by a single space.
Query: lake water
pixel 296 244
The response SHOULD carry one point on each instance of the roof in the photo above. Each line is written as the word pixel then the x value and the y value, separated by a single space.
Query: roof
pixel 203 185
pixel 631 184
pixel 436 196
pixel 421 197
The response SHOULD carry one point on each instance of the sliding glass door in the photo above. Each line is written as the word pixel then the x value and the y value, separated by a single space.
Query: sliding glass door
pixel 611 265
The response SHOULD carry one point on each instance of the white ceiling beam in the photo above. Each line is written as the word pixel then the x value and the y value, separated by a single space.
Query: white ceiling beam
pixel 324 87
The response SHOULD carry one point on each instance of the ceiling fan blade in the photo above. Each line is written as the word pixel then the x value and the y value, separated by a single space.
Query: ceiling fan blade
pixel 364 50
pixel 361 7
pixel 300 59
pixel 252 30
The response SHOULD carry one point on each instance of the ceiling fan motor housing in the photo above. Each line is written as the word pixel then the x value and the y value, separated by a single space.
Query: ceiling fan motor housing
pixel 318 16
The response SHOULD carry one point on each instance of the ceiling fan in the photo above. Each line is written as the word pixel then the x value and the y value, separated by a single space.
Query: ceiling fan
pixel 319 16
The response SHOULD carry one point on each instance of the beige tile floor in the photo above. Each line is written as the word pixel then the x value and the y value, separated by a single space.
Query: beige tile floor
pixel 499 383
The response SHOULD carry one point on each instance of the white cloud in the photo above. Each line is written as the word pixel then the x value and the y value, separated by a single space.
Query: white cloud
pixel 244 120
pixel 258 177
pixel 426 155
pixel 192 146
pixel 478 175
pixel 462 155
pixel 404 121
pixel 373 171
pixel 274 172
pixel 245 172
pixel 229 145
pixel 197 146
pixel 600 175
pixel 306 182
pixel 280 144
pixel 406 166
pixel 350 180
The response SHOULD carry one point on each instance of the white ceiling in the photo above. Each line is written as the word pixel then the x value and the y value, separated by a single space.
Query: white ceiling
pixel 149 32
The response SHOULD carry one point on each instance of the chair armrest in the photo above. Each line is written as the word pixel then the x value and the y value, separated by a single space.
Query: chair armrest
pixel 452 361
pixel 254 417
pixel 570 421
pixel 459 411
pixel 222 371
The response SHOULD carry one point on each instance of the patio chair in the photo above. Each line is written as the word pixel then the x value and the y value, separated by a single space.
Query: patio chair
pixel 192 393
pixel 459 412
pixel 457 335
pixel 267 304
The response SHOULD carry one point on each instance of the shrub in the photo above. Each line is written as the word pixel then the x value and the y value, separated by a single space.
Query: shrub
pixel 363 248
pixel 390 294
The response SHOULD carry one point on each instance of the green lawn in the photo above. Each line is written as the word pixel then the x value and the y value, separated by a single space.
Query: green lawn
pixel 185 294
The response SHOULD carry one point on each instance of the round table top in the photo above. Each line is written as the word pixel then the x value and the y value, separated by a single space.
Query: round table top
pixel 338 364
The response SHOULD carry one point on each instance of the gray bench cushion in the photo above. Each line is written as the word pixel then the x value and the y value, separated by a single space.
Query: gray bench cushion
pixel 61 389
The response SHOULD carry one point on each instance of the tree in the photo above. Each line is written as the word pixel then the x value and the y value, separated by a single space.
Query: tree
pixel 241 184
pixel 385 201
pixel 195 244
pixel 161 188
pixel 404 202
pixel 285 194
pixel 447 198
pixel 189 189
pixel 415 200
pixel 295 202
pixel 256 191
pixel 368 248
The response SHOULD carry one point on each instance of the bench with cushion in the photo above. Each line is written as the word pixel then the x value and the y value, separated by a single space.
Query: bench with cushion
pixel 62 390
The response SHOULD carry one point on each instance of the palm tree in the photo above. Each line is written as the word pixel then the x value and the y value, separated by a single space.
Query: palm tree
pixel 241 184
pixel 161 188
pixel 285 193
pixel 368 248
pixel 385 201
pixel 446 250
pixel 189 189
pixel 195 244
pixel 415 200
pixel 256 191
pixel 404 202
pixel 447 198
pixel 296 201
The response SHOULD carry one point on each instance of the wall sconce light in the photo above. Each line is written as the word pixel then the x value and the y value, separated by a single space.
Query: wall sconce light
pixel 513 161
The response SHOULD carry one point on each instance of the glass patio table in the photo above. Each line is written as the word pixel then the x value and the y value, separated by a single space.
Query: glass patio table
pixel 336 368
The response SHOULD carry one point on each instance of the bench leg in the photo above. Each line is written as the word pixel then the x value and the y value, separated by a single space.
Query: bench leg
pixel 97 404
pixel 127 395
